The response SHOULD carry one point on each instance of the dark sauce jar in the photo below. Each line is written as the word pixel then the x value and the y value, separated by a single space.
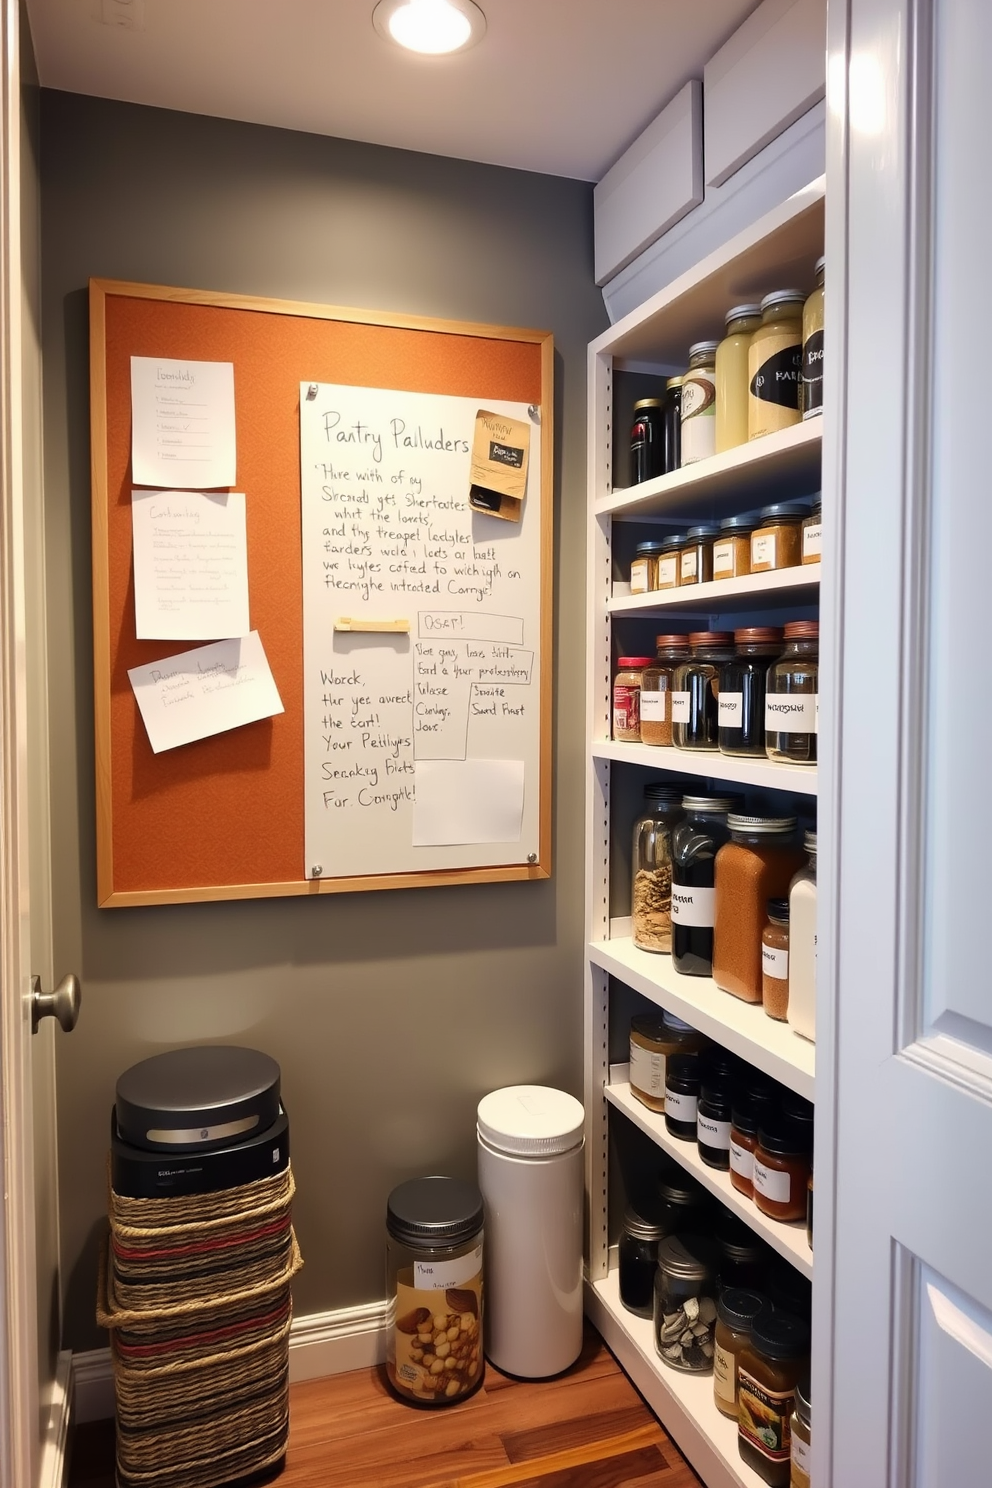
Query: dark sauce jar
pixel 646 440
pixel 695 843
pixel 741 718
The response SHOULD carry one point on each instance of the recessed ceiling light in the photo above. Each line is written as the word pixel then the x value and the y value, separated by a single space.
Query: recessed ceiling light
pixel 433 27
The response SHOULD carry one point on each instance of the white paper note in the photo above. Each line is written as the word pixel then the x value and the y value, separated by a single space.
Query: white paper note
pixel 472 800
pixel 182 423
pixel 190 565
pixel 205 691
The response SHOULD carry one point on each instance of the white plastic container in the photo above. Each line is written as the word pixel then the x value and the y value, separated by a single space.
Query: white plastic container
pixel 802 946
pixel 531 1177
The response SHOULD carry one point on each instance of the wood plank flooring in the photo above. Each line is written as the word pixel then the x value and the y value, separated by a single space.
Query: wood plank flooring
pixel 588 1428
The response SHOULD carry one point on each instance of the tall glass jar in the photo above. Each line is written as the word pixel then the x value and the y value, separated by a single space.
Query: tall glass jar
pixel 434 1290
pixel 656 689
pixel 695 843
pixel 802 944
pixel 756 865
pixel 774 364
pixel 695 699
pixel 646 440
pixel 813 346
pixel 741 713
pixel 769 1368
pixel 699 404
pixel 671 426
pixel 732 376
pixel 775 960
pixel 791 696
pixel 685 1304
pixel 651 893
pixel 638 1261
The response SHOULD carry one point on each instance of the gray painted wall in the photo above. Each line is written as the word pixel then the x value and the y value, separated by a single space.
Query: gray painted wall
pixel 390 1013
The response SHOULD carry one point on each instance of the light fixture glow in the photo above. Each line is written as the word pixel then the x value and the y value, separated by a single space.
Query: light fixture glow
pixel 431 27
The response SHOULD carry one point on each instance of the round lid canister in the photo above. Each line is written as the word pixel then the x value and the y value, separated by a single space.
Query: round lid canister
pixel 199 1097
pixel 531 1121
pixel 434 1211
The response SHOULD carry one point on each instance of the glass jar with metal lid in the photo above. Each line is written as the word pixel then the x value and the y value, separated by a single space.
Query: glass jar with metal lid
pixel 783 1159
pixel 777 539
pixel 736 1310
pixel 732 547
pixel 775 364
pixel 654 1038
pixel 792 696
pixel 644 567
pixel 627 698
pixel 812 402
pixel 671 426
pixel 732 376
pixel 651 890
pixel 656 689
pixel 801 1437
pixel 699 404
pixel 743 1257
pixel 685 1303
pixel 682 1096
pixel 756 865
pixel 813 534
pixel 667 570
pixel 695 843
pixel 696 557
pixel 638 1261
pixel 646 440
pixel 753 1103
pixel 741 715
pixel 769 1368
pixel 683 1204
pixel 434 1290
pixel 775 960
pixel 695 698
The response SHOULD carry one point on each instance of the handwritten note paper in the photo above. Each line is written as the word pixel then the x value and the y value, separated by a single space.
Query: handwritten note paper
pixel 190 565
pixel 205 692
pixel 182 423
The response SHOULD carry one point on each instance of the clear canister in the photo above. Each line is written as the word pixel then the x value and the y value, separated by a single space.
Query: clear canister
pixel 685 1304
pixel 699 404
pixel 792 717
pixel 775 360
pixel 656 689
pixel 695 699
pixel 651 888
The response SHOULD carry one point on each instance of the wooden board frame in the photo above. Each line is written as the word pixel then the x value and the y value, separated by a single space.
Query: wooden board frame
pixel 112 698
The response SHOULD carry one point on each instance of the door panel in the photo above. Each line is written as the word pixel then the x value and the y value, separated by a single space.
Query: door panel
pixel 953 1384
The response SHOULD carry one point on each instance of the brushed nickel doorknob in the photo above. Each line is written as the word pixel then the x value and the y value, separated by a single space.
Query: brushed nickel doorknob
pixel 63 1003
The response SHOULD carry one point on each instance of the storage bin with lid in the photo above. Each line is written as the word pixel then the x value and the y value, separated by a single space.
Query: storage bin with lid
pixel 695 697
pixel 756 865
pixel 732 376
pixel 696 555
pixel 656 689
pixel 696 839
pixel 791 696
pixel 651 864
pixel 741 709
pixel 735 1312
pixel 530 1141
pixel 769 1368
pixel 775 362
pixel 685 1303
pixel 812 390
pixel 802 944
pixel 637 1261
pixel 699 403
pixel 646 440
pixel 777 538
pixel 627 698
pixel 434 1288
pixel 732 546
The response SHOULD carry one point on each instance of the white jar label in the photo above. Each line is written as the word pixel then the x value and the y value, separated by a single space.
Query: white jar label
pixel 775 963
pixel 668 572
pixel 698 396
pixel 693 907
pixel 647 1071
pixel 731 710
pixel 688 564
pixel 435 1276
pixel 763 550
pixel 639 576
pixel 710 1133
pixel 723 560
pixel 680 1107
pixel 742 1161
pixel 790 712
pixel 801 1454
pixel 773 1185
pixel 812 541
pixel 680 707
pixel 653 709
pixel 723 1375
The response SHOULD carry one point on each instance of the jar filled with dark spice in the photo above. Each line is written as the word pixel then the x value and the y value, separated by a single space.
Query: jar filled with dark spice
pixel 695 843
pixel 695 699
pixel 683 1204
pixel 756 865
pixel 656 689
pixel 685 1304
pixel 791 697
pixel 753 1103
pixel 713 1123
pixel 682 1096
pixel 651 891
pixel 646 441
pixel 741 712
pixel 736 1310
pixel 671 421
pixel 768 1370
pixel 638 1261
pixel 743 1258
pixel 775 960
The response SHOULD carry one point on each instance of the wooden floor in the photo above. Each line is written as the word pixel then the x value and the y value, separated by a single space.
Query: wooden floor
pixel 588 1428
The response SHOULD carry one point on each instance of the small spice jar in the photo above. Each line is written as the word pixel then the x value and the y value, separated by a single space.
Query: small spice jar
pixel 752 1105
pixel 769 1368
pixel 651 889
pixel 682 1096
pixel 736 1310
pixel 646 440
pixel 434 1287
pixel 627 698
pixel 812 393
pixel 696 556
pixel 732 376
pixel 801 1464
pixel 696 841
pixel 813 534
pixel 791 696
pixel 775 960
pixel 684 1206
pixel 774 364
pixel 713 1123
pixel 671 426
pixel 667 562
pixel 783 1161
pixel 699 404
pixel 743 1257
pixel 685 1304
pixel 638 1261
pixel 656 689
pixel 695 697
pixel 777 539
pixel 732 548
pixel 648 1049
pixel 644 567
pixel 756 865
pixel 741 712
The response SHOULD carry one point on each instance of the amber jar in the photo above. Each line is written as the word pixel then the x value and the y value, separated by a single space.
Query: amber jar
pixel 696 557
pixel 741 712
pixel 648 1049
pixel 667 563
pixel 644 567
pixel 801 1437
pixel 769 1368
pixel 792 697
pixel 735 1312
pixel 813 535
pixel 775 960
pixel 756 865
pixel 696 693
pixel 732 547
pixel 627 698
pixel 777 539
pixel 783 1161
pixel 656 689
pixel 751 1107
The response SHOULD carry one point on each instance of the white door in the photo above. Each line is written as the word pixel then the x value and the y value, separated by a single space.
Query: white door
pixel 32 1384
pixel 904 1240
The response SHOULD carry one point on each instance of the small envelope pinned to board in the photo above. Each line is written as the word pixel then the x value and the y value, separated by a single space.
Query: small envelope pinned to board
pixel 500 452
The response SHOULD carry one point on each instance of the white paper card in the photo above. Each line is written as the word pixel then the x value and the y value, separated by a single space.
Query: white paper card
pixel 190 565
pixel 205 692
pixel 472 800
pixel 182 423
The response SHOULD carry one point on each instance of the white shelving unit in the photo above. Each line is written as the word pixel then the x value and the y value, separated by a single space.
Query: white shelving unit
pixel 780 248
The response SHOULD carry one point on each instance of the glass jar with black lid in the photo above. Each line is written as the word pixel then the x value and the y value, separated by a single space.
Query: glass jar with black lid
pixel 743 1258
pixel 769 1368
pixel 696 557
pixel 754 1102
pixel 695 843
pixel 671 426
pixel 791 696
pixel 638 1260
pixel 646 440
pixel 644 567
pixel 695 699
pixel 682 1203
pixel 682 1096
pixel 741 714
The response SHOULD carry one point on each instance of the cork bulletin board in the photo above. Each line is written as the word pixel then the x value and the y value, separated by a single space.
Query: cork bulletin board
pixel 223 817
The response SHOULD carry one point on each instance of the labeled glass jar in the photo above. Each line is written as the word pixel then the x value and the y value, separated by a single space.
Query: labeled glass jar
pixel 627 698
pixel 434 1290
pixel 736 1310
pixel 752 1105
pixel 777 539
pixel 801 1464
pixel 685 1304
pixel 684 1206
pixel 802 944
pixel 713 1124
pixel 682 1096
pixel 769 1368
pixel 656 689
pixel 667 563
pixel 696 556
pixel 756 865
pixel 699 404
pixel 696 841
pixel 732 548
pixel 774 364
pixel 695 698
pixel 783 1161
pixel 812 395
pixel 646 440
pixel 648 1049
pixel 732 376
pixel 651 888
pixel 775 960
pixel 671 426
pixel 741 712
pixel 644 567
pixel 638 1261
pixel 813 534
pixel 791 696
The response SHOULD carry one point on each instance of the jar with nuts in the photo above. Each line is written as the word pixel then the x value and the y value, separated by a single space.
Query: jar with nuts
pixel 434 1287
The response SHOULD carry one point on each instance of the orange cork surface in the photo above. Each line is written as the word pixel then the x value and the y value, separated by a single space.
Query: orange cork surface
pixel 228 810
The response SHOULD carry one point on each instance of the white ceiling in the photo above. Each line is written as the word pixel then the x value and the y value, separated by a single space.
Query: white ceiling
pixel 559 86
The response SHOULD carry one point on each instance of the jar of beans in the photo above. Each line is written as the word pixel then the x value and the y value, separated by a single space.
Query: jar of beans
pixel 756 865
pixel 695 698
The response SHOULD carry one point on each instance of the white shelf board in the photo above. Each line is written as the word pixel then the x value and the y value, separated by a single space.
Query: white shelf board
pixel 682 1402
pixel 743 1028
pixel 764 774
pixel 798 586
pixel 750 475
pixel 788 1239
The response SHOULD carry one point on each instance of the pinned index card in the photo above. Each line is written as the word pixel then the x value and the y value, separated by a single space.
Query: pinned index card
pixel 190 565
pixel 204 692
pixel 182 423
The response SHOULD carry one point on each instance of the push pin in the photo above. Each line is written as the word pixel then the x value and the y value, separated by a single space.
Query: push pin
pixel 532 857
pixel 311 392
pixel 535 412
pixel 316 870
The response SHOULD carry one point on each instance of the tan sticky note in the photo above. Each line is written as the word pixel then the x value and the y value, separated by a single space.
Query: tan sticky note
pixel 500 451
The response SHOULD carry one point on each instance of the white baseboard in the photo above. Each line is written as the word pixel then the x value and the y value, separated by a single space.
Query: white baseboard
pixel 54 1469
pixel 320 1343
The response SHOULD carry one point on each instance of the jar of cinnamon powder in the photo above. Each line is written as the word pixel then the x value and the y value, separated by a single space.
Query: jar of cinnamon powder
pixel 756 865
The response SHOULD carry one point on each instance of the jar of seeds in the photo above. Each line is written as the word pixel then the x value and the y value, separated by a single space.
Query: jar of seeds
pixel 685 1304
pixel 651 891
